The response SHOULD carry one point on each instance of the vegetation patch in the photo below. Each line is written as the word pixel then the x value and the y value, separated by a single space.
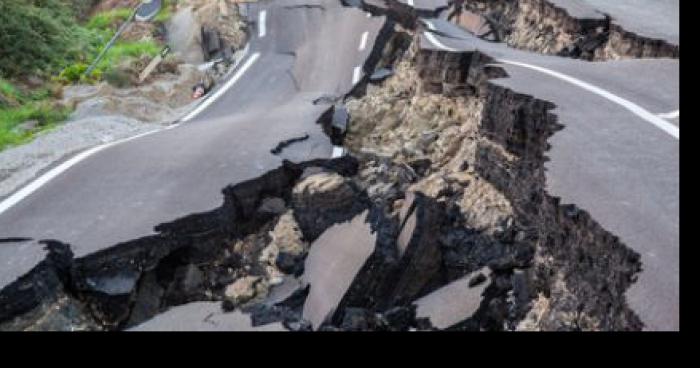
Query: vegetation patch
pixel 50 40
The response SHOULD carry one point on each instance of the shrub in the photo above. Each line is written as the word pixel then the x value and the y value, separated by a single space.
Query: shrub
pixel 109 20
pixel 40 36
pixel 44 113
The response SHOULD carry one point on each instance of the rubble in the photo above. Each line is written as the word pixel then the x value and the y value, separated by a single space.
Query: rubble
pixel 543 26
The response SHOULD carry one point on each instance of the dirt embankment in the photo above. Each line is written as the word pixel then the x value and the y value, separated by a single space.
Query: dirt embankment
pixel 541 26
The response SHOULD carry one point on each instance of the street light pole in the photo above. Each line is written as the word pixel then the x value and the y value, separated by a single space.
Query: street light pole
pixel 111 42
pixel 144 12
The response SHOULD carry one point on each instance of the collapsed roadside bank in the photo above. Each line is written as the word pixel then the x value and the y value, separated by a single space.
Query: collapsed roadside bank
pixel 121 106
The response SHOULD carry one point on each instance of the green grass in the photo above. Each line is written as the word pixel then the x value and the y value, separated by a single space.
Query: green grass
pixel 108 19
pixel 8 89
pixel 166 11
pixel 71 60
pixel 47 116
pixel 124 50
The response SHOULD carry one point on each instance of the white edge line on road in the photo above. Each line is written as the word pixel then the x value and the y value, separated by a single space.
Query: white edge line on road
pixel 670 115
pixel 262 27
pixel 58 170
pixel 338 151
pixel 363 41
pixel 434 40
pixel 356 74
pixel 629 105
pixel 253 58
pixel 632 107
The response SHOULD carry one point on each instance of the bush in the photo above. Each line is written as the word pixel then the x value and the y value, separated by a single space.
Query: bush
pixel 109 20
pixel 44 113
pixel 40 36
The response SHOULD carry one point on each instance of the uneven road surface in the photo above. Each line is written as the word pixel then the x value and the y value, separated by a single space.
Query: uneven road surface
pixel 617 156
pixel 296 55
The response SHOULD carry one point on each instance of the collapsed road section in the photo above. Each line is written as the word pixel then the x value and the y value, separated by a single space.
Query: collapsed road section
pixel 439 218
pixel 569 28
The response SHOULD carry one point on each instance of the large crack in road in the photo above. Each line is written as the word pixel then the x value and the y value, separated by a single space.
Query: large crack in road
pixel 438 218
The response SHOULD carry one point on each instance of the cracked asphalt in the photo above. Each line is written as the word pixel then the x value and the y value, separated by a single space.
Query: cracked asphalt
pixel 611 159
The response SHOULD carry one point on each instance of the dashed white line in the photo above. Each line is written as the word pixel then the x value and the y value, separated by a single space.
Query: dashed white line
pixel 356 75
pixel 262 27
pixel 32 187
pixel 655 120
pixel 670 115
pixel 363 41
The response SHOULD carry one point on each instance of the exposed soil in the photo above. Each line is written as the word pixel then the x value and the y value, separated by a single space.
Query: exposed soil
pixel 539 25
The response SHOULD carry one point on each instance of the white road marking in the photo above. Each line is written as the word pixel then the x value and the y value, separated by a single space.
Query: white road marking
pixel 671 115
pixel 410 2
pixel 434 40
pixel 356 75
pixel 224 88
pixel 363 41
pixel 338 151
pixel 32 187
pixel 262 27
pixel 42 180
pixel 629 105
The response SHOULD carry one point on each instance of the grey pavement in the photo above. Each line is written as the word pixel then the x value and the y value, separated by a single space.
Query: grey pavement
pixel 124 191
pixel 607 160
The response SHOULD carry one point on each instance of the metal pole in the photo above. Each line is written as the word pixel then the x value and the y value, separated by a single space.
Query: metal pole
pixel 111 42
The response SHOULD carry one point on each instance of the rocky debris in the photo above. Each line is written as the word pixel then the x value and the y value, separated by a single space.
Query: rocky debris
pixel 163 100
pixel 245 289
pixel 485 163
pixel 542 26
pixel 40 299
pixel 321 200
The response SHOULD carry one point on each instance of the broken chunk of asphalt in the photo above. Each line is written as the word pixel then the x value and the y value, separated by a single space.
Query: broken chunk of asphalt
pixel 380 75
pixel 452 303
pixel 334 261
pixel 203 316
pixel 334 122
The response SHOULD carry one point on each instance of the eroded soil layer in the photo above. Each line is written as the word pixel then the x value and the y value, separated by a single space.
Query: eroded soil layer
pixel 541 26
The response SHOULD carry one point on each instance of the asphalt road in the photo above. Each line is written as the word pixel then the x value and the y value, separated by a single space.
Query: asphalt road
pixel 617 158
pixel 122 192
pixel 618 155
